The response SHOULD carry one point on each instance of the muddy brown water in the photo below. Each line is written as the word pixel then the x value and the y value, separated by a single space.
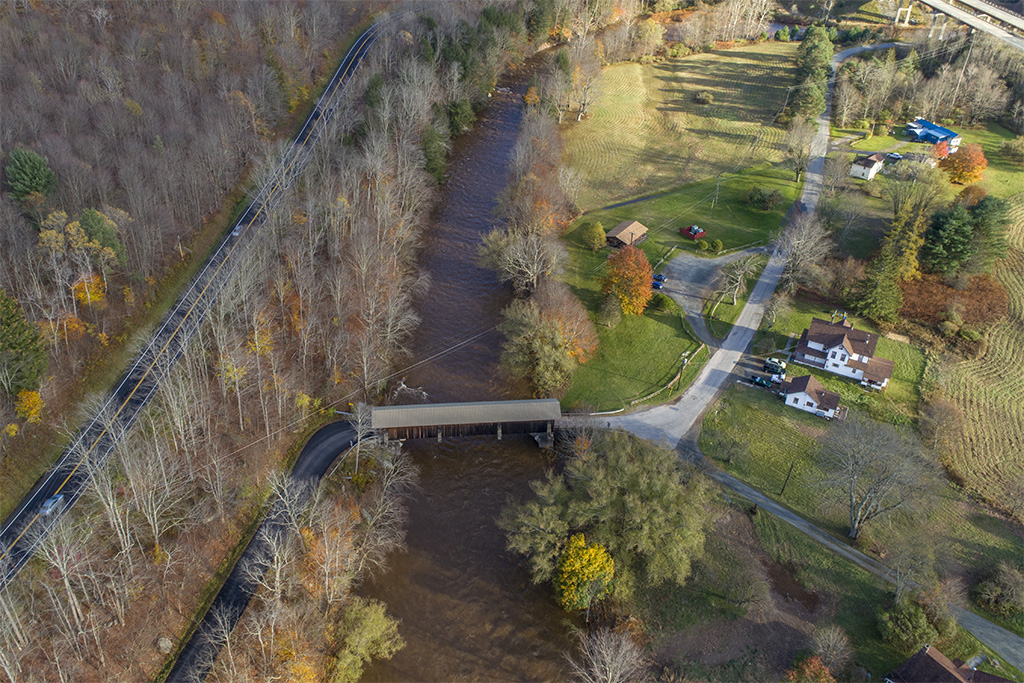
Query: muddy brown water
pixel 467 608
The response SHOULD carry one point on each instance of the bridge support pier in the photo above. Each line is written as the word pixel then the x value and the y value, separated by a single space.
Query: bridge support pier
pixel 499 432
pixel 937 17
pixel 900 10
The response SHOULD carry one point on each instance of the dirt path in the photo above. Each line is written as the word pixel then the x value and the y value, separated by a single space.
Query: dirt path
pixel 690 279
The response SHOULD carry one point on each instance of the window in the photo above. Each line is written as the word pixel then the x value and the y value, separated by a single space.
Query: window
pixel 810 404
pixel 833 355
pixel 843 357
pixel 796 399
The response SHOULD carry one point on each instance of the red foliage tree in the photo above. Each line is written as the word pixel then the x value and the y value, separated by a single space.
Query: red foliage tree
pixel 941 149
pixel 970 195
pixel 811 670
pixel 966 166
pixel 629 280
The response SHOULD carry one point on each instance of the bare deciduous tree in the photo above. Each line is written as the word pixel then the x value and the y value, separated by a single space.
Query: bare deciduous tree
pixel 833 646
pixel 608 657
pixel 874 467
pixel 805 244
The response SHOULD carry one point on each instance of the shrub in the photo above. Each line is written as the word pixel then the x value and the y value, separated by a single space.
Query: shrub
pixel 717 246
pixel 861 124
pixel 703 245
pixel 611 312
pixel 1013 149
pixel 948 328
pixel 782 35
pixel 679 50
pixel 661 302
pixel 906 627
pixel 969 334
pixel 1003 591
pixel 593 236
pixel 704 97
pixel 764 200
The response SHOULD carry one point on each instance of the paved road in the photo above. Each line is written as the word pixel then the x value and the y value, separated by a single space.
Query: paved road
pixel 677 425
pixel 22 530
pixel 689 283
pixel 200 652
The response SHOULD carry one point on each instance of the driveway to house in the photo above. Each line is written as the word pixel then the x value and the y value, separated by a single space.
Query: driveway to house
pixel 689 284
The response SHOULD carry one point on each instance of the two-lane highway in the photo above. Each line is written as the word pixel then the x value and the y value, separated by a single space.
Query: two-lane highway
pixel 22 530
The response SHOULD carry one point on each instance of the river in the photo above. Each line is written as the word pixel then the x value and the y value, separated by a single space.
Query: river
pixel 467 608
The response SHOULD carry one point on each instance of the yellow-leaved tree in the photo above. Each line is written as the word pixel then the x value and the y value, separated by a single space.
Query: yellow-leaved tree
pixel 584 573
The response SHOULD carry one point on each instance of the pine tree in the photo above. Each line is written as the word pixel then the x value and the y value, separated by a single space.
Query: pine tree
pixel 903 243
pixel 948 242
pixel 881 297
pixel 22 354
pixel 28 173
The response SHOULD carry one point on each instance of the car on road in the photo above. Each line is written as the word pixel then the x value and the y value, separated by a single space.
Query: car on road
pixel 693 232
pixel 760 381
pixel 775 366
pixel 657 284
pixel 52 504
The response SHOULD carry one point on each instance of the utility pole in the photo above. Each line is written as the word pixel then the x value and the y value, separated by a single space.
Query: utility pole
pixel 956 90
pixel 718 182
pixel 787 477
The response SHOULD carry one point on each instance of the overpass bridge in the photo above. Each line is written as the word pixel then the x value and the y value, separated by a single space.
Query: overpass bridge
pixel 439 420
pixel 983 16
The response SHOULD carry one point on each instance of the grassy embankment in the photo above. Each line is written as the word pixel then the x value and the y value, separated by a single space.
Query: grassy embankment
pixel 725 313
pixel 646 136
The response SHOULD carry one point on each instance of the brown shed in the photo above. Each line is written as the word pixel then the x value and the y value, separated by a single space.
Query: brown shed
pixel 627 233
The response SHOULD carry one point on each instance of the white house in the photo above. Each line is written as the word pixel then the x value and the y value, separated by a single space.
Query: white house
pixel 866 166
pixel 838 348
pixel 807 393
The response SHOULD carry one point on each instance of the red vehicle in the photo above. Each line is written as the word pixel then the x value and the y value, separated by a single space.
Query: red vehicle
pixel 693 232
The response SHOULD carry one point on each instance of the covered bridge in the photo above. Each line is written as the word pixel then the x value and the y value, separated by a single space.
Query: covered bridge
pixel 427 421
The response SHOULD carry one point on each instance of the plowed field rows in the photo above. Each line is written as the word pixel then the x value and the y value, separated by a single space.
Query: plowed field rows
pixel 990 390
pixel 646 134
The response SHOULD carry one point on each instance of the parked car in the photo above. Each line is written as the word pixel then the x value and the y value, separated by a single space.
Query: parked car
pixel 657 284
pixel 660 278
pixel 760 381
pixel 52 504
pixel 693 232
pixel 778 378
pixel 775 366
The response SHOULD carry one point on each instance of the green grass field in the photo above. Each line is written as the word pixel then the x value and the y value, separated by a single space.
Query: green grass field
pixel 646 134
pixel 638 356
pixel 1003 177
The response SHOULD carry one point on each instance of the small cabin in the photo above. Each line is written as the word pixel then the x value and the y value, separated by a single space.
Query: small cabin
pixel 627 234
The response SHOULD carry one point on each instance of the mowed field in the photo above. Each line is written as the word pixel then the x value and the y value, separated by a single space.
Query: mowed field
pixel 990 390
pixel 646 134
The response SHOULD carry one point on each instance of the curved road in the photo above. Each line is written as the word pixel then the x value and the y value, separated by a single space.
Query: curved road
pixel 24 527
pixel 677 425
pixel 198 655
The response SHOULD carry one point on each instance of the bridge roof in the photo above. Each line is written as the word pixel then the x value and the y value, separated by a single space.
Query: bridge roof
pixel 430 414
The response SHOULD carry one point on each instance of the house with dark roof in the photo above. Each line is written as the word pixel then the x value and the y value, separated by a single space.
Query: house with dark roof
pixel 866 166
pixel 627 233
pixel 807 393
pixel 929 665
pixel 840 349
pixel 923 130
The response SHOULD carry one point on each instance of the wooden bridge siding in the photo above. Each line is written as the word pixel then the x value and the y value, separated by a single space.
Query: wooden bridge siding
pixel 479 429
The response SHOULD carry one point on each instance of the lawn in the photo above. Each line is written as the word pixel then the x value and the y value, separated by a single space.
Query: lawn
pixel 638 356
pixel 1003 177
pixel 732 220
pixel 725 313
pixel 858 595
pixel 768 443
pixel 877 143
pixel 899 402
pixel 646 134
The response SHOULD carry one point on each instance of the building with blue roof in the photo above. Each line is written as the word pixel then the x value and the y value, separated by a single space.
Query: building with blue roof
pixel 923 130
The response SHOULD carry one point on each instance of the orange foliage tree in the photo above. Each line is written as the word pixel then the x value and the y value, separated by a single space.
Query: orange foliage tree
pixel 811 670
pixel 966 166
pixel 29 406
pixel 629 280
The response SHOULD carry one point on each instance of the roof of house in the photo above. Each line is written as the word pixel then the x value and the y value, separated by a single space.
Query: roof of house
pixel 391 417
pixel 809 384
pixel 628 231
pixel 929 665
pixel 831 335
pixel 869 160
pixel 878 370
pixel 934 128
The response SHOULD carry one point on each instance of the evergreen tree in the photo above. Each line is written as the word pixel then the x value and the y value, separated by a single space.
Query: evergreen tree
pixel 100 229
pixel 28 173
pixel 948 244
pixel 881 297
pixel 903 243
pixel 22 354
pixel 990 216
